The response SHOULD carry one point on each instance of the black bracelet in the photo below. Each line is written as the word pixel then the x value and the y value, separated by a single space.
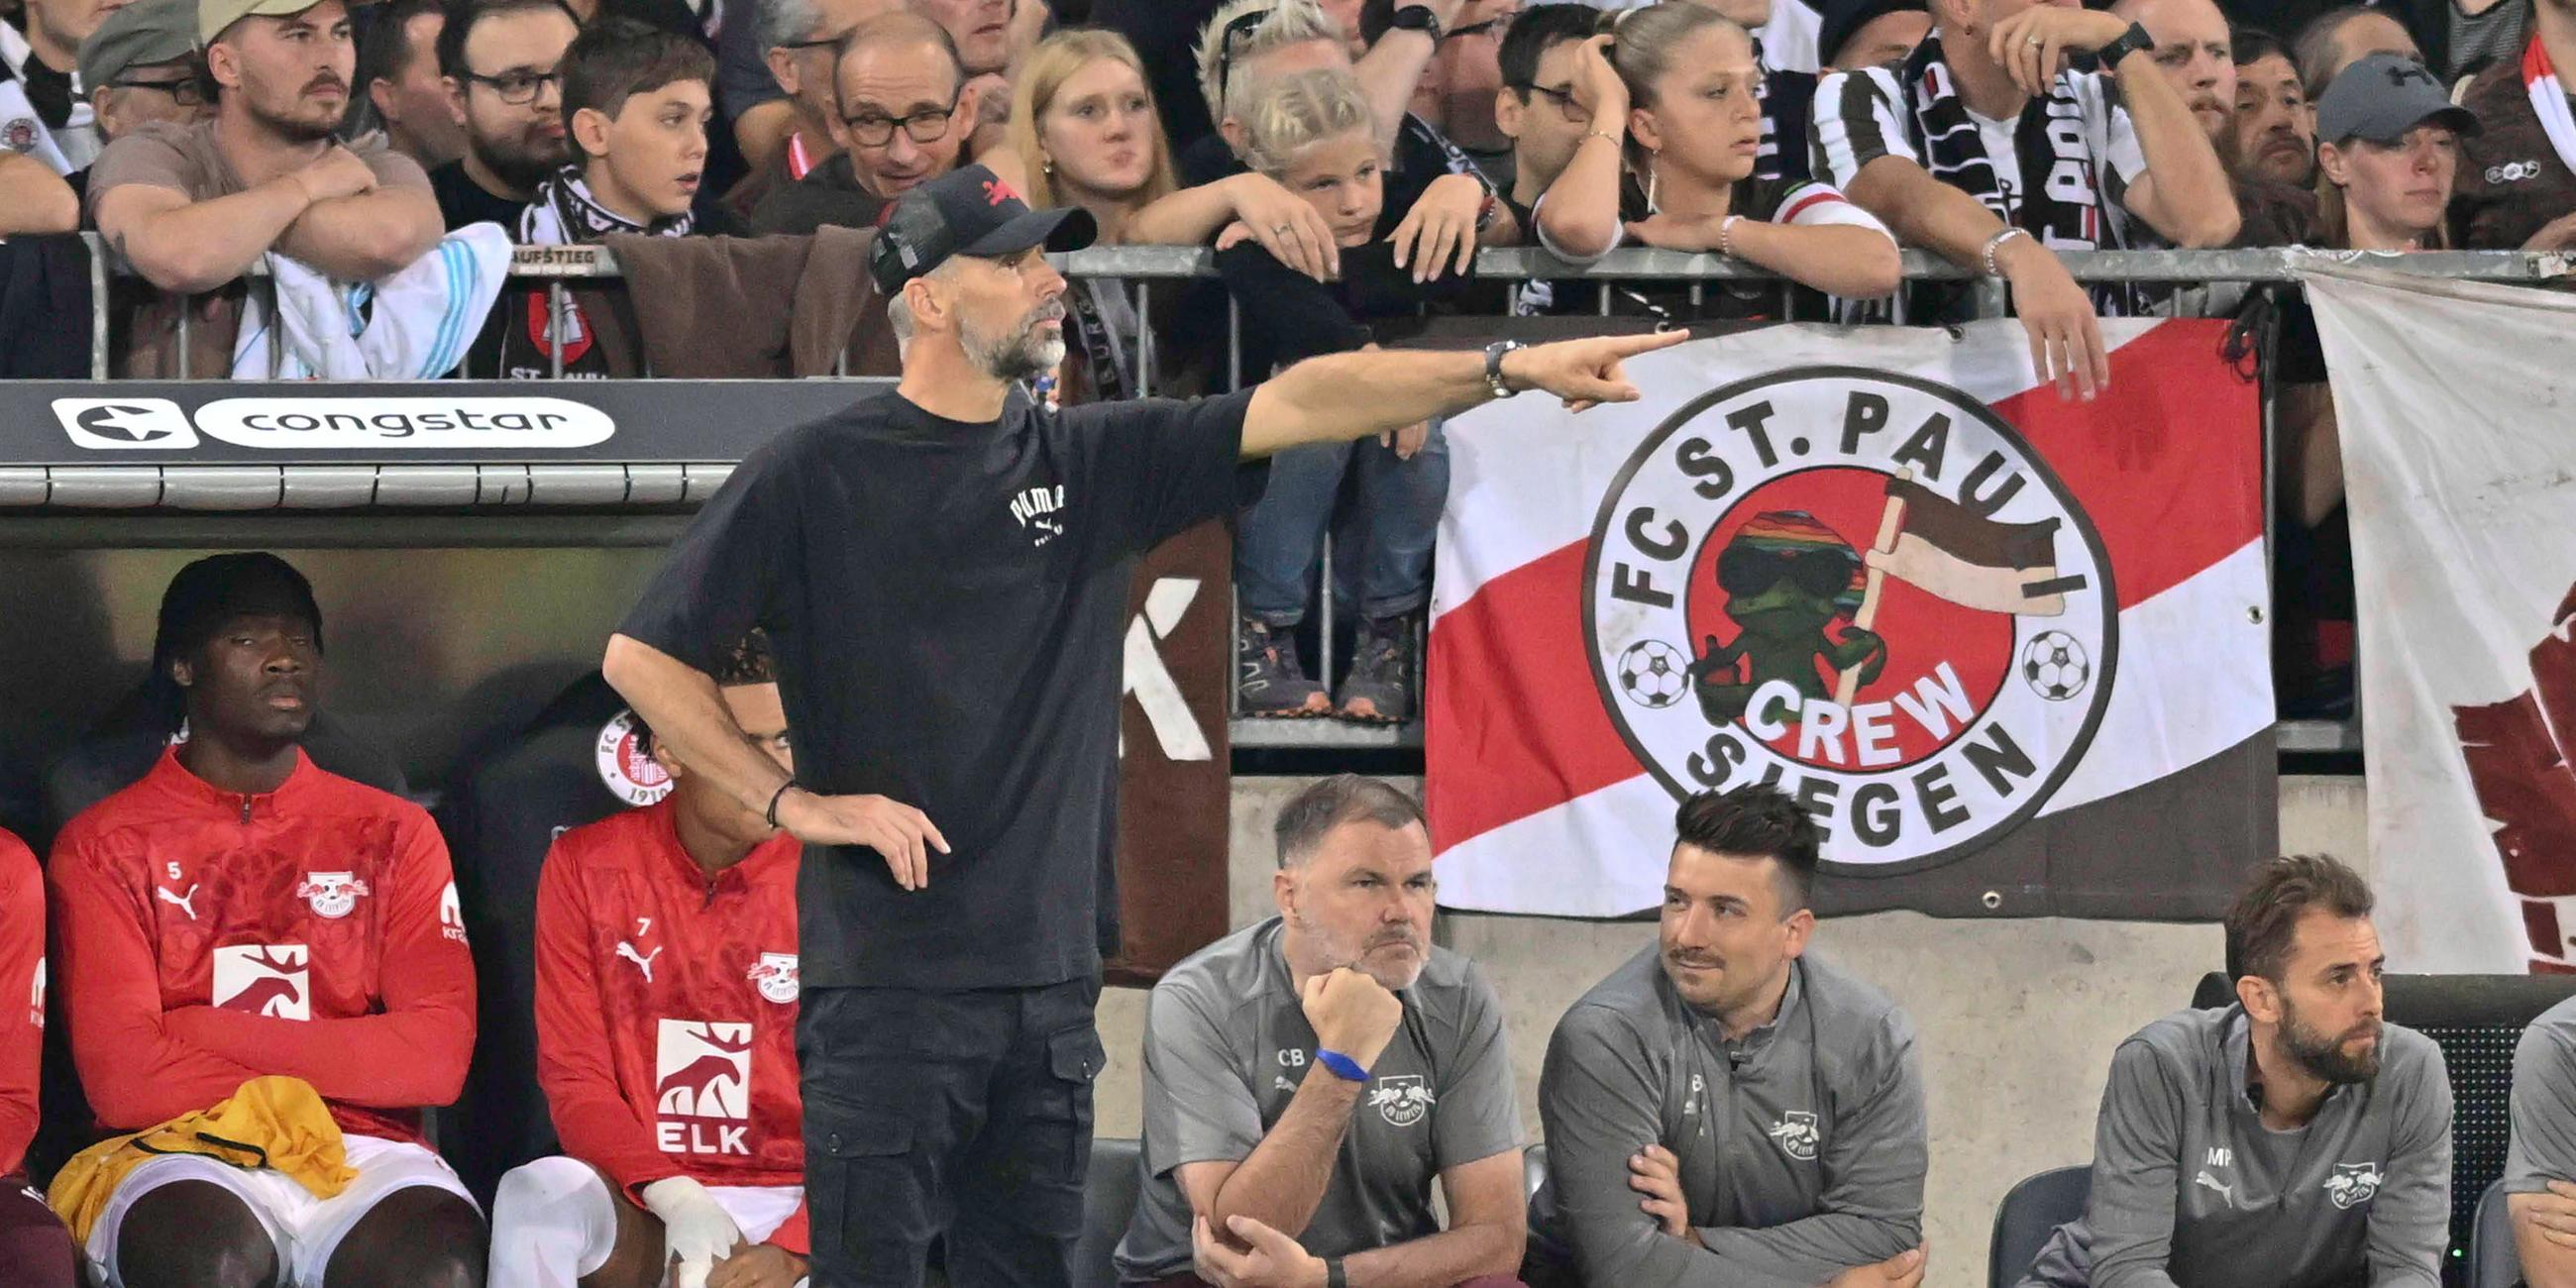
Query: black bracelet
pixel 1334 1276
pixel 771 813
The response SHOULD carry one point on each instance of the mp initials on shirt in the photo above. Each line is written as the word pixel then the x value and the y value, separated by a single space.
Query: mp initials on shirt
pixel 702 1087
pixel 1036 509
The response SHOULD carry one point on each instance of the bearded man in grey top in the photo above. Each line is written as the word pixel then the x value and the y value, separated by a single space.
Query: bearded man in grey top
pixel 2292 1140
pixel 1726 1110
pixel 1307 1078
pixel 2540 1165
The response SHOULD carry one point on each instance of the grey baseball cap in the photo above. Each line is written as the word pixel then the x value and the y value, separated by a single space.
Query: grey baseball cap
pixel 2381 97
pixel 141 34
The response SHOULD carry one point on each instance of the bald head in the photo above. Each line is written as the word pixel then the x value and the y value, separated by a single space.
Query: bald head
pixel 2193 52
pixel 904 110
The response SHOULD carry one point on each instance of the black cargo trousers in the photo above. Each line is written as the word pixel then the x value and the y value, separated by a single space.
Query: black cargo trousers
pixel 964 1113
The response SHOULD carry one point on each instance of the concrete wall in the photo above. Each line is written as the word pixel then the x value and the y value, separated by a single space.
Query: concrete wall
pixel 2018 1018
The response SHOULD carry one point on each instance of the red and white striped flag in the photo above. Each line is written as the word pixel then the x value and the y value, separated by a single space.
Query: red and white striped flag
pixel 1886 570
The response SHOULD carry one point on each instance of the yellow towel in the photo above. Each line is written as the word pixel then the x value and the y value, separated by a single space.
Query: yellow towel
pixel 277 1123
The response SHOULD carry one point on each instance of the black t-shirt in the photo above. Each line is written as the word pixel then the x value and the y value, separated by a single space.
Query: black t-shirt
pixel 947 604
pixel 1288 316
pixel 462 201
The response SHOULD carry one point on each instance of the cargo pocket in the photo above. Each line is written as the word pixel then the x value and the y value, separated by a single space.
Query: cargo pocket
pixel 866 1186
pixel 1063 1110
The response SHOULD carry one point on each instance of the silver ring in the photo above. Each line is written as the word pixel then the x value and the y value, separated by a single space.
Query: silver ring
pixel 2035 40
pixel 1284 229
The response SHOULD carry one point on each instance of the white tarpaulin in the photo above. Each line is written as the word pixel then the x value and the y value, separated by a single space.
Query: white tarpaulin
pixel 2456 403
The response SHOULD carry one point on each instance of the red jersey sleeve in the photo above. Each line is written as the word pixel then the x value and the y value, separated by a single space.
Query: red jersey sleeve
pixel 794 1233
pixel 22 997
pixel 137 1068
pixel 576 1061
pixel 411 1054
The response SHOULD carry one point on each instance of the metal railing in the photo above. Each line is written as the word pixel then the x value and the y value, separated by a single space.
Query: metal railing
pixel 1139 266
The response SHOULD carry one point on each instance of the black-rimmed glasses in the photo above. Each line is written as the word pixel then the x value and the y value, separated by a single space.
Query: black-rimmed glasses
pixel 516 87
pixel 1566 104
pixel 928 125
pixel 185 91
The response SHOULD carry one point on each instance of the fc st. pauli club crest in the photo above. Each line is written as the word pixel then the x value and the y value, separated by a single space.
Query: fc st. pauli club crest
pixel 1864 589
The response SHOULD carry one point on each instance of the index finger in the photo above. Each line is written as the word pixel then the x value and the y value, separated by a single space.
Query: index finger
pixel 1629 346
pixel 931 830
pixel 2096 374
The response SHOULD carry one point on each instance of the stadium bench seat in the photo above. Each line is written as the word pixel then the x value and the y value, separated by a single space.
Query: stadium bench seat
pixel 2493 1263
pixel 1109 1199
pixel 2030 1213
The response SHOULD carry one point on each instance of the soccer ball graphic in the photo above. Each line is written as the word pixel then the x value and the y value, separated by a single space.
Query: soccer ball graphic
pixel 2054 665
pixel 1654 674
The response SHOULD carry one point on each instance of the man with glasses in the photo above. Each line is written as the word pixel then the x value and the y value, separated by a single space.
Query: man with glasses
pixel 503 61
pixel 1547 117
pixel 139 68
pixel 902 114
pixel 797 41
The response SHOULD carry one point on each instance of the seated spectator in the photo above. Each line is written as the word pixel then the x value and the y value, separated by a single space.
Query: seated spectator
pixel 2540 1162
pixel 193 205
pixel 1084 132
pixel 2517 185
pixel 33 1243
pixel 1964 149
pixel 239 914
pixel 666 940
pixel 1308 1077
pixel 2388 151
pixel 39 57
pixel 139 67
pixel 1874 33
pixel 905 115
pixel 799 41
pixel 2276 134
pixel 636 103
pixel 1767 1106
pixel 1684 89
pixel 398 75
pixel 1316 137
pixel 1250 45
pixel 503 66
pixel 2338 38
pixel 2289 1138
pixel 34 199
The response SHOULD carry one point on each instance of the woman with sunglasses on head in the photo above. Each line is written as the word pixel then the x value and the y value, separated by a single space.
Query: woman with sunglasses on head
pixel 1674 97
pixel 2388 154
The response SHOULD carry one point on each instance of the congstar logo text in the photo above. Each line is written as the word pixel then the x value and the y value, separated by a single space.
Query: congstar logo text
pixel 337 424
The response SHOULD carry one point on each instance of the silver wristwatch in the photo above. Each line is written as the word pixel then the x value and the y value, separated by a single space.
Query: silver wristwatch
pixel 1494 366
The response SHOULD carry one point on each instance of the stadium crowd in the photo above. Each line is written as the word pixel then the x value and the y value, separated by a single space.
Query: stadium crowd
pixel 262 959
pixel 1345 160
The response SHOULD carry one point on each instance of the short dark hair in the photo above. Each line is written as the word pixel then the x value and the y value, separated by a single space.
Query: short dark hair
pixel 1343 798
pixel 1755 821
pixel 2314 46
pixel 615 59
pixel 1539 29
pixel 463 14
pixel 749 661
pixel 2264 920
pixel 385 48
pixel 2254 44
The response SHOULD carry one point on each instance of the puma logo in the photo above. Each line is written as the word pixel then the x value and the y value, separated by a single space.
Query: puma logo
pixel 2209 1182
pixel 184 902
pixel 643 962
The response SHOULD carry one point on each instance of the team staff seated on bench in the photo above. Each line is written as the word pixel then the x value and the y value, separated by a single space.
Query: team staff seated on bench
pixel 1306 1078
pixel 1727 1109
pixel 2291 1138
pixel 2540 1166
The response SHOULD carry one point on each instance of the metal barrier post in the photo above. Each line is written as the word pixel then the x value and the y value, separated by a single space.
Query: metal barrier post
pixel 554 328
pixel 1144 340
pixel 97 311
pixel 187 309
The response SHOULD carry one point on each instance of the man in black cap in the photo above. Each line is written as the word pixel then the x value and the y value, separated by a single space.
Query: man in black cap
pixel 943 570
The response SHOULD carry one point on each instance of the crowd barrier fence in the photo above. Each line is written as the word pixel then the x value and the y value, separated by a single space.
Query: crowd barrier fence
pixel 558 267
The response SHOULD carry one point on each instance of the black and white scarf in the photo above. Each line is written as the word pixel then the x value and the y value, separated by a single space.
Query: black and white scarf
pixel 2064 209
pixel 564 213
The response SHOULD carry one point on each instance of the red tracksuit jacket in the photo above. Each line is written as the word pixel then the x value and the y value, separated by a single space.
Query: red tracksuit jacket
pixel 22 997
pixel 666 1008
pixel 208 938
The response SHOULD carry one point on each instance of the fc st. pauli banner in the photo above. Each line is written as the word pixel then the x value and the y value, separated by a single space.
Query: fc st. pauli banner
pixel 2010 649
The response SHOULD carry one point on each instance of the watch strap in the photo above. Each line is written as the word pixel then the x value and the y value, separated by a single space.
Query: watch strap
pixel 1334 1275
pixel 1427 22
pixel 2134 40
pixel 1494 367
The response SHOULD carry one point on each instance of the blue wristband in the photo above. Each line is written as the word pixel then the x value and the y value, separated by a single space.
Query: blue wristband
pixel 1343 1067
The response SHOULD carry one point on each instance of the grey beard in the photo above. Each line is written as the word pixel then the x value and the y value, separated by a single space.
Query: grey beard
pixel 1021 355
